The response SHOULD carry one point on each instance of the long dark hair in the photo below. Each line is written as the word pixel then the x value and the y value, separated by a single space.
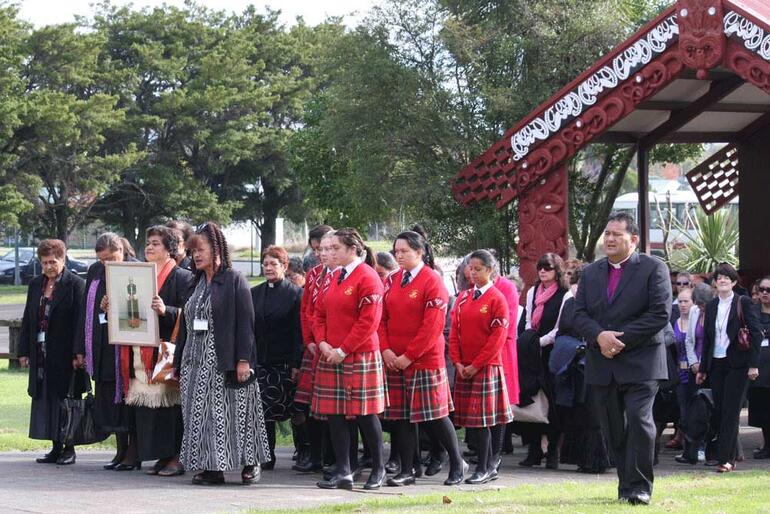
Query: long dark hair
pixel 352 239
pixel 552 260
pixel 417 242
pixel 216 239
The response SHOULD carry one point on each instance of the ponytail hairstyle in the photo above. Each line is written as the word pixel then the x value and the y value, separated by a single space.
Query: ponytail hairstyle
pixel 427 250
pixel 352 239
pixel 216 239
pixel 416 242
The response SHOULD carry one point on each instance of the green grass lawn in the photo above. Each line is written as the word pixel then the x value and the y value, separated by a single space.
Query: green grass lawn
pixel 10 295
pixel 702 492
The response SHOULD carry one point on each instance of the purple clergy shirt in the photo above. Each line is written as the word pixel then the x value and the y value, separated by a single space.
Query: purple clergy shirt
pixel 614 277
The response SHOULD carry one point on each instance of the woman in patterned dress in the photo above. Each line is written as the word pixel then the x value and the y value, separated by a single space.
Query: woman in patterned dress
pixel 478 334
pixel 412 344
pixel 224 427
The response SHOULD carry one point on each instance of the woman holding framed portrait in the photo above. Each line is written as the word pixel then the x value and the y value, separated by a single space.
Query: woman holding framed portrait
pixel 215 359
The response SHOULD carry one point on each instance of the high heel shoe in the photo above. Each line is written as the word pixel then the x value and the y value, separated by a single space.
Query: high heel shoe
pixel 129 467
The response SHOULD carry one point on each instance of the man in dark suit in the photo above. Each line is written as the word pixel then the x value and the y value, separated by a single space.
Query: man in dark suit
pixel 622 306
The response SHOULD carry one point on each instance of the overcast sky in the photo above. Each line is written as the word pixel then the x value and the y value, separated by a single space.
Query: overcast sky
pixel 44 12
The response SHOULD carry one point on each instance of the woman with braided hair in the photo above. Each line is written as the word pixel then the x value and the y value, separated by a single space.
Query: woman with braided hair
pixel 224 426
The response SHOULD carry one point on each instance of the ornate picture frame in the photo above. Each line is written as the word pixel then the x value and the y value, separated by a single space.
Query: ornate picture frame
pixel 130 289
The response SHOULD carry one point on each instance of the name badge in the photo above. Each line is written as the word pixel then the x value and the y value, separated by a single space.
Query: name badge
pixel 102 318
pixel 765 342
pixel 200 324
pixel 41 337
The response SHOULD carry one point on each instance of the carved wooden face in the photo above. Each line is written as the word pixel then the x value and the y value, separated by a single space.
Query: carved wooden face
pixel 701 35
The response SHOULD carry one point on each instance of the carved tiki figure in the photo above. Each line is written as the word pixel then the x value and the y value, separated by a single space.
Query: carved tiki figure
pixel 701 37
pixel 133 305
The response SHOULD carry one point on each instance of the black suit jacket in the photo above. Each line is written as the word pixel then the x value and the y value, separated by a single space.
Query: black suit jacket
pixel 640 308
pixel 175 291
pixel 276 323
pixel 60 336
pixel 233 315
pixel 736 358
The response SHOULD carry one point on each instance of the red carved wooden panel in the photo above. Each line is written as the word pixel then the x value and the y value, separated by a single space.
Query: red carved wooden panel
pixel 701 36
pixel 715 180
pixel 543 222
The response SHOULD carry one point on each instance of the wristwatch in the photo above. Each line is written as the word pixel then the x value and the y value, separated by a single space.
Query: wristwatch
pixel 340 353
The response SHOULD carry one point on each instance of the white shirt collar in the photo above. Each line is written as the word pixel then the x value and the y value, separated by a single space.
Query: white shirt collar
pixel 618 265
pixel 414 271
pixel 484 289
pixel 353 265
pixel 729 299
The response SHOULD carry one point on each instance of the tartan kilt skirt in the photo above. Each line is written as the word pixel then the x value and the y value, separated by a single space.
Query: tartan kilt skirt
pixel 418 395
pixel 356 387
pixel 304 393
pixel 482 401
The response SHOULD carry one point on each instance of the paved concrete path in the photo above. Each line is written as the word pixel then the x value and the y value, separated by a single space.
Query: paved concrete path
pixel 86 488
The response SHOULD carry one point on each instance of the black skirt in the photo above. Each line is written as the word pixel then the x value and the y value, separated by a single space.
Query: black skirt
pixel 158 432
pixel 110 417
pixel 583 445
pixel 277 391
pixel 759 407
pixel 44 415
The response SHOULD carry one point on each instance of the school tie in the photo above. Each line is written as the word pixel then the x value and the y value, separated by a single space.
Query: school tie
pixel 405 278
pixel 343 273
pixel 476 294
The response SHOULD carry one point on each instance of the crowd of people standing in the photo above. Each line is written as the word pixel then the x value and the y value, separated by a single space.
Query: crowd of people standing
pixel 348 344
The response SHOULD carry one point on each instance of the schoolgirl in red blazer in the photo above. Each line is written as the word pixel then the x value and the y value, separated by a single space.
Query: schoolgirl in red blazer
pixel 349 381
pixel 317 281
pixel 476 339
pixel 412 344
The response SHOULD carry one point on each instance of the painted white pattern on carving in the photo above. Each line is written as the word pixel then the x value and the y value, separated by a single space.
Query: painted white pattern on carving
pixel 752 35
pixel 587 93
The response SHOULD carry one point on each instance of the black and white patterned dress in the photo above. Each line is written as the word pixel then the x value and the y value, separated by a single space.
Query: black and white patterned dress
pixel 224 428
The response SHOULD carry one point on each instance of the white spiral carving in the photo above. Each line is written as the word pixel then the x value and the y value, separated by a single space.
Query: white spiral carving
pixel 752 35
pixel 652 44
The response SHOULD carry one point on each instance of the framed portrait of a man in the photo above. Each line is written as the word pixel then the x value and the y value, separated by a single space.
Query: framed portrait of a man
pixel 131 287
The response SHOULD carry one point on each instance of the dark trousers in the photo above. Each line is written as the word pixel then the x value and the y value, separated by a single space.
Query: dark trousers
pixel 625 412
pixel 729 386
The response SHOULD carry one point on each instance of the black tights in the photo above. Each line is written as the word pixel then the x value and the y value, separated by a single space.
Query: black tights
pixel 270 428
pixel 489 444
pixel 341 431
pixel 443 431
pixel 405 441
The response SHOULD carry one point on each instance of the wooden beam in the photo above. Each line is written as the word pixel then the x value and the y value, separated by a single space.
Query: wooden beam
pixel 713 74
pixel 617 137
pixel 719 107
pixel 643 217
pixel 754 127
pixel 699 137
pixel 680 118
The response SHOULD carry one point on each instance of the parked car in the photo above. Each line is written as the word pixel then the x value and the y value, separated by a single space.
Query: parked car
pixel 8 263
pixel 33 269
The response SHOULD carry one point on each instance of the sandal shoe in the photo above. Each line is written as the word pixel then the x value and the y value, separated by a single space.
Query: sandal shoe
pixel 171 471
pixel 250 475
pixel 209 478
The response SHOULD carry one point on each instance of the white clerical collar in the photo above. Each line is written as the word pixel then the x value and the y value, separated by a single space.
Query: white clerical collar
pixel 353 265
pixel 729 299
pixel 484 289
pixel 621 263
pixel 414 271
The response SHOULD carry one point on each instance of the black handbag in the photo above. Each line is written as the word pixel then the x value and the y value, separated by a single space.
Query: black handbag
pixel 76 418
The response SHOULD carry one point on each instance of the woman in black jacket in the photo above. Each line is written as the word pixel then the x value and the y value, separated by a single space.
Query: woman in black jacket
pixel 727 365
pixel 279 341
pixel 94 351
pixel 47 345
pixel 215 359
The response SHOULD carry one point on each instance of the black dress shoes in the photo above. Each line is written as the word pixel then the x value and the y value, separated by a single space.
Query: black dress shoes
pixel 130 467
pixel 376 479
pixel 209 478
pixel 683 459
pixel 67 456
pixel 402 479
pixel 307 466
pixel 457 476
pixel 639 499
pixel 761 453
pixel 50 457
pixel 392 467
pixel 337 482
pixel 552 460
pixel 478 478
pixel 534 457
pixel 269 465
pixel 434 466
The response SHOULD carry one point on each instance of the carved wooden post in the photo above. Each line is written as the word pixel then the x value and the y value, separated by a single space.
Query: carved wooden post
pixel 543 223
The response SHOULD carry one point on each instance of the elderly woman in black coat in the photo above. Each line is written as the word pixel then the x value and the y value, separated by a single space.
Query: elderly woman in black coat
pixel 279 342
pixel 46 346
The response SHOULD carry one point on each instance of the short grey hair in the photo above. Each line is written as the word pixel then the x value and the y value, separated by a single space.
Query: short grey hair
pixel 702 294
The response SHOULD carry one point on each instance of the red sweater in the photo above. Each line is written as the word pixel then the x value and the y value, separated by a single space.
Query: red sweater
pixel 413 318
pixel 348 315
pixel 309 296
pixel 479 328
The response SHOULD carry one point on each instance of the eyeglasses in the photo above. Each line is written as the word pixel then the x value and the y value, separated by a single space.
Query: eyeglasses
pixel 545 267
pixel 763 289
pixel 683 283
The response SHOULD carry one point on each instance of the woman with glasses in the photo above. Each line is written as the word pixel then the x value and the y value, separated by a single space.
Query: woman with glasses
pixel 727 364
pixel 544 303
pixel 759 392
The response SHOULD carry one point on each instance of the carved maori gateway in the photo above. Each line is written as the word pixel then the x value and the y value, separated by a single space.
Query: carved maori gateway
pixel 718 45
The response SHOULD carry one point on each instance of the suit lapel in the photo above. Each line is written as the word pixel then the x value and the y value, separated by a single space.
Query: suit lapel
pixel 60 291
pixel 625 278
pixel 603 281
